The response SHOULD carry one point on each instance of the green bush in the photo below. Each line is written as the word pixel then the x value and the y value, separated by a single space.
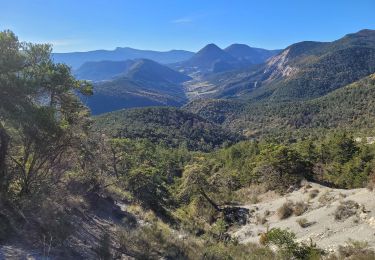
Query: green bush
pixel 289 248
pixel 232 251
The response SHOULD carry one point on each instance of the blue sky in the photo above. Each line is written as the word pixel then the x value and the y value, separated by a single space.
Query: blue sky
pixel 79 25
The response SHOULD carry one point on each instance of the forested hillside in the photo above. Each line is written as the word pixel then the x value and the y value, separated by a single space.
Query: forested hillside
pixel 349 108
pixel 163 125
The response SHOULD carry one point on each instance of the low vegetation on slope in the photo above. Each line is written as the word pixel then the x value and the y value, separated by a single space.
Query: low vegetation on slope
pixel 169 126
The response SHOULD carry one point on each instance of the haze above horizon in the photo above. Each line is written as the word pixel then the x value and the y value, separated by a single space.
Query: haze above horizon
pixel 189 25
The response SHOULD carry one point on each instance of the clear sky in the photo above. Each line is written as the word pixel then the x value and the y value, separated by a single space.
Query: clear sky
pixel 79 25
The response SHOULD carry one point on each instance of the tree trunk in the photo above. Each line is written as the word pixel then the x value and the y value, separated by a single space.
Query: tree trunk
pixel 210 200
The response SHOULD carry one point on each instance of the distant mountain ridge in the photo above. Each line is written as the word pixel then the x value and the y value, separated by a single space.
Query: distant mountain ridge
pixel 303 70
pixel 143 83
pixel 212 59
pixel 76 59
pixel 103 65
pixel 253 55
pixel 207 56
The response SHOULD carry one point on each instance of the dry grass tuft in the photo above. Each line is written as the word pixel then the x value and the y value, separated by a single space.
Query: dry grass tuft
pixel 326 198
pixel 313 193
pixel 356 250
pixel 285 211
pixel 346 209
pixel 261 220
pixel 304 223
pixel 300 208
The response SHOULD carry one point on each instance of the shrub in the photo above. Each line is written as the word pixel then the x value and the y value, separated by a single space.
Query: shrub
pixel 229 251
pixel 313 193
pixel 356 249
pixel 196 216
pixel 346 209
pixel 153 242
pixel 263 239
pixel 219 229
pixel 300 208
pixel 261 219
pixel 285 211
pixel 158 241
pixel 289 248
pixel 308 251
pixel 254 199
pixel 304 223
pixel 288 208
pixel 326 198
pixel 283 239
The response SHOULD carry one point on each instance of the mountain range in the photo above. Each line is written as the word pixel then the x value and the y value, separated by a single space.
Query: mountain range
pixel 76 59
pixel 240 86
pixel 301 71
pixel 212 59
pixel 309 85
pixel 145 82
